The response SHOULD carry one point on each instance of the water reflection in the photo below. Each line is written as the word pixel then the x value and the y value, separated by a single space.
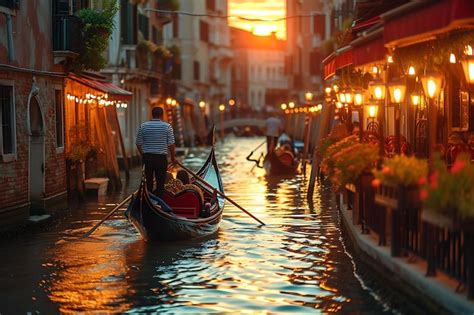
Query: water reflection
pixel 293 264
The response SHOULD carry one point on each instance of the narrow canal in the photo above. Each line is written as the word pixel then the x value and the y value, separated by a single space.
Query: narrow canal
pixel 295 264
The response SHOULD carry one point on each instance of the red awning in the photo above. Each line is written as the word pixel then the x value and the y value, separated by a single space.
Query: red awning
pixel 344 58
pixel 329 66
pixel 426 20
pixel 369 51
pixel 337 60
pixel 114 92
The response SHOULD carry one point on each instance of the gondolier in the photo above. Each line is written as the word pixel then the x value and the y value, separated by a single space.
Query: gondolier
pixel 155 140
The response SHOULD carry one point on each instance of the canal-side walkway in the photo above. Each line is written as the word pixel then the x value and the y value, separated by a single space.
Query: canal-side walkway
pixel 438 294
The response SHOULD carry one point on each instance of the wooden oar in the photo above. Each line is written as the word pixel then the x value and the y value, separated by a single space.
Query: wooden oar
pixel 108 215
pixel 218 192
pixel 257 162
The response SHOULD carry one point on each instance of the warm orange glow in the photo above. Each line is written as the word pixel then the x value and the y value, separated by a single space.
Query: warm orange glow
pixel 263 9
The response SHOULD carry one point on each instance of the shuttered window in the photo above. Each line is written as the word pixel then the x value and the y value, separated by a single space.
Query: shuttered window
pixel 7 118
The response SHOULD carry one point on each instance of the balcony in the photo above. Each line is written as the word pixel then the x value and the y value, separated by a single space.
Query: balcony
pixel 67 41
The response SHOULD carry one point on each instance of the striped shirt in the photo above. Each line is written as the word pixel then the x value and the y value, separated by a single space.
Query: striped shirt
pixel 154 136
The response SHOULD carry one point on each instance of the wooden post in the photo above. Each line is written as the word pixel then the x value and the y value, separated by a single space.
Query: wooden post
pixel 307 126
pixel 325 124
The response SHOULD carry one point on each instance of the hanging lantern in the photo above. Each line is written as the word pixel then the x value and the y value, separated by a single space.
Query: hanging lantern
pixel 397 91
pixel 377 89
pixel 349 96
pixel 358 98
pixel 432 83
pixel 415 99
pixel 372 111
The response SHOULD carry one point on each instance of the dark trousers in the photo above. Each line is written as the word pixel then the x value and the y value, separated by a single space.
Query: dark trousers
pixel 155 165
pixel 271 143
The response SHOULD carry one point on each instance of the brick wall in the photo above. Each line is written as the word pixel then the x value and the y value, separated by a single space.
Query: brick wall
pixel 14 177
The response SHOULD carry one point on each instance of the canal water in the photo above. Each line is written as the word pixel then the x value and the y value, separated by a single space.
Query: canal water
pixel 295 264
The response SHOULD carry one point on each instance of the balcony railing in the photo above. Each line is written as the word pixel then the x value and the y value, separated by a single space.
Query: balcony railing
pixel 67 31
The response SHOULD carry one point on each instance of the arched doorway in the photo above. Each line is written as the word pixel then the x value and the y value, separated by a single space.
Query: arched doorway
pixel 36 159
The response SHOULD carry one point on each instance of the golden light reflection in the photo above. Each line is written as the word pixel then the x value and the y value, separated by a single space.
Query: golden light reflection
pixel 88 275
pixel 264 10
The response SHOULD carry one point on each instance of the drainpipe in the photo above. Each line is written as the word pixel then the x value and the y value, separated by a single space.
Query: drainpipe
pixel 11 51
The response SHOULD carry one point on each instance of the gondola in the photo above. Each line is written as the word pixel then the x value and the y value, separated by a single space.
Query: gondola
pixel 280 161
pixel 180 216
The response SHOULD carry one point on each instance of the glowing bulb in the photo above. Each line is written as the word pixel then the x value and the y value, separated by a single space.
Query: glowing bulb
pixel 415 99
pixel 283 106
pixel 231 102
pixel 411 70
pixel 452 58
pixel 397 95
pixel 327 90
pixel 202 104
pixel 372 111
pixel 390 59
pixel 431 88
pixel 342 97
pixel 291 104
pixel 222 107
pixel 471 71
pixel 378 92
pixel 375 70
pixel 358 99
pixel 468 50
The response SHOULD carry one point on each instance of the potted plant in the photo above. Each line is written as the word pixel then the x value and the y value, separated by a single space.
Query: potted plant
pixel 327 154
pixel 400 174
pixel 448 194
pixel 97 28
pixel 351 162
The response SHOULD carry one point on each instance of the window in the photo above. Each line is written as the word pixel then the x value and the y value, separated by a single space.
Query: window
pixel 143 25
pixel 7 117
pixel 197 71
pixel 204 31
pixel 59 106
pixel 319 25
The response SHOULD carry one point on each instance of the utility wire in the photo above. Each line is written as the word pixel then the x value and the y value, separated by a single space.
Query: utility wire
pixel 233 16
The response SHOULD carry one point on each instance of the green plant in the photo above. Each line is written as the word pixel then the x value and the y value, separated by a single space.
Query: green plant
pixel 79 152
pixel 97 28
pixel 351 162
pixel 401 170
pixel 450 192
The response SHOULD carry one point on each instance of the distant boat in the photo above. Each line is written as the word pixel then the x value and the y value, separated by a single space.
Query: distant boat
pixel 181 216
pixel 280 162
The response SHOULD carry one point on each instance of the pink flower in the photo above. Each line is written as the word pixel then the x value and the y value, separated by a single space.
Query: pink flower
pixel 376 182
pixel 458 166
pixel 423 194
pixel 434 179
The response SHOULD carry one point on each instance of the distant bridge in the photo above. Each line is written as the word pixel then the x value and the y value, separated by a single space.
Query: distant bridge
pixel 242 122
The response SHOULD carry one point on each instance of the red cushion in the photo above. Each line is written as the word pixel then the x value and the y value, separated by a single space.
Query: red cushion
pixel 186 203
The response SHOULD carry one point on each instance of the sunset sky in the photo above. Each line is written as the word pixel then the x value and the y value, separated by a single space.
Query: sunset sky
pixel 262 9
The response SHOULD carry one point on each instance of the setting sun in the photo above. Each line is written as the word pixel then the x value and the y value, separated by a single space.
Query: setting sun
pixel 266 10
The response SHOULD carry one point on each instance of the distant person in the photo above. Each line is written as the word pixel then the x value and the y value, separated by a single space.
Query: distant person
pixel 284 140
pixel 272 131
pixel 155 140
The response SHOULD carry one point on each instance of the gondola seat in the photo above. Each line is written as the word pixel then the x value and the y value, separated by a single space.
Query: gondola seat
pixel 186 203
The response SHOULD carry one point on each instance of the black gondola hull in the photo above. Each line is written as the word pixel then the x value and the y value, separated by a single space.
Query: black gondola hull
pixel 153 223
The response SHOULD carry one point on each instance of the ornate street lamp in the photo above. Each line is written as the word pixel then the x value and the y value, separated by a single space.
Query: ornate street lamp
pixel 397 95
pixel 432 83
pixel 377 89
